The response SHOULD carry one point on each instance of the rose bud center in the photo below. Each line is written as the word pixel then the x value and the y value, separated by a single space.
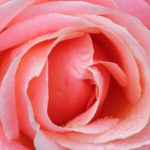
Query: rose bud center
pixel 69 91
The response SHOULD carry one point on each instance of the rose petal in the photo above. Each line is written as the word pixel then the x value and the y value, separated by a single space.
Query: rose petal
pixel 137 29
pixel 49 23
pixel 135 8
pixel 134 142
pixel 71 62
pixel 28 69
pixel 8 114
pixel 116 72
pixel 9 145
pixel 3 1
pixel 41 141
pixel 106 3
pixel 63 141
pixel 101 79
pixel 9 118
pixel 10 9
pixel 63 7
pixel 96 127
pixel 5 61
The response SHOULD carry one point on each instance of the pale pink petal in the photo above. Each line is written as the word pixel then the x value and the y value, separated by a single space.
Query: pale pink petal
pixel 30 66
pixel 8 114
pixel 135 142
pixel 38 99
pixel 96 127
pixel 138 8
pixel 42 142
pixel 9 145
pixel 60 140
pixel 63 7
pixel 30 28
pixel 137 29
pixel 116 72
pixel 10 9
pixel 145 147
pixel 3 1
pixel 106 3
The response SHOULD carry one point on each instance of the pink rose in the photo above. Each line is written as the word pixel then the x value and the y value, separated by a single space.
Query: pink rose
pixel 73 75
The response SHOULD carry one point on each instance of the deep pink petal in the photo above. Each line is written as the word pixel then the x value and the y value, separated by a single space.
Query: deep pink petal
pixel 5 61
pixel 71 58
pixel 148 1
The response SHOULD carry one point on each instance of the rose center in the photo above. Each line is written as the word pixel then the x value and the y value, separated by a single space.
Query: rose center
pixel 68 90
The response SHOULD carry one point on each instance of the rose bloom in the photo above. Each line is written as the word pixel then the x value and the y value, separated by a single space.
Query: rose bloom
pixel 74 75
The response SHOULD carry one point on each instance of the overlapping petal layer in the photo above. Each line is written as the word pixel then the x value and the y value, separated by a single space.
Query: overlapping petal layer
pixel 74 75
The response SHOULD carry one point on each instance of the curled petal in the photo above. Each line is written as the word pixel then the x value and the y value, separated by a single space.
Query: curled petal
pixel 101 79
pixel 111 30
pixel 137 28
pixel 49 23
pixel 63 141
pixel 28 69
pixel 106 3
pixel 96 127
pixel 7 144
pixel 140 111
pixel 116 72
pixel 8 114
pixel 41 141
pixel 10 9
pixel 135 8
pixel 62 7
